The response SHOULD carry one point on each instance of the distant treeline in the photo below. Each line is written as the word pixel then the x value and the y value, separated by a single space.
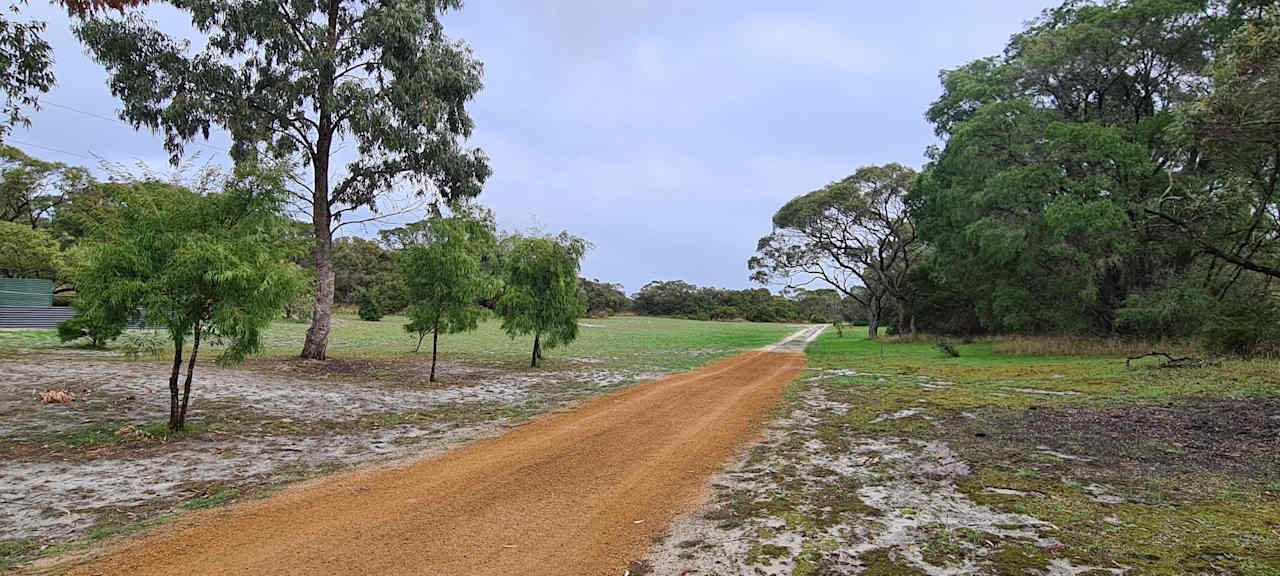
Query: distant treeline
pixel 680 299
pixel 365 269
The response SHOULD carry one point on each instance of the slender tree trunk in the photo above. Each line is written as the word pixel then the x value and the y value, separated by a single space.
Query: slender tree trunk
pixel 902 316
pixel 186 386
pixel 173 383
pixel 317 343
pixel 537 349
pixel 421 335
pixel 873 322
pixel 435 344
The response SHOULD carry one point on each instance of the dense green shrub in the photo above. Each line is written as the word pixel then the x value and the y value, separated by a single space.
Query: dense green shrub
pixel 1176 312
pixel 947 347
pixel 1244 326
pixel 98 328
pixel 370 306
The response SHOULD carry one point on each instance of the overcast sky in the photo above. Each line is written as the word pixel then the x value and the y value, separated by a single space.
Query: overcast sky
pixel 665 133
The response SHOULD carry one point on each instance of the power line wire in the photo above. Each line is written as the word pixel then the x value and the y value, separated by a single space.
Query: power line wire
pixel 119 121
pixel 52 149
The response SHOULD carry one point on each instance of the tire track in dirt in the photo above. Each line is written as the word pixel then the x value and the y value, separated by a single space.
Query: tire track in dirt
pixel 580 492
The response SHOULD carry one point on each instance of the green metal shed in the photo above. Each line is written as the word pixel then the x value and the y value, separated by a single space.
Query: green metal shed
pixel 26 292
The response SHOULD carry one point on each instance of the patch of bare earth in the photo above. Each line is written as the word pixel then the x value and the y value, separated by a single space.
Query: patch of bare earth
pixel 1135 450
pixel 66 467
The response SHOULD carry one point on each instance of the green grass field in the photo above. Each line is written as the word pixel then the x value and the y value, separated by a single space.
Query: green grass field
pixel 662 344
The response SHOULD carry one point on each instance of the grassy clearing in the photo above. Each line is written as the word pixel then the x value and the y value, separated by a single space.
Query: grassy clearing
pixel 662 344
pixel 1145 469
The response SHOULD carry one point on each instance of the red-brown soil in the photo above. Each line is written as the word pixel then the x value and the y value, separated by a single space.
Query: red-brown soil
pixel 579 492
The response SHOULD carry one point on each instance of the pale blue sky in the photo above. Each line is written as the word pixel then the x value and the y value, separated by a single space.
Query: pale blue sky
pixel 666 133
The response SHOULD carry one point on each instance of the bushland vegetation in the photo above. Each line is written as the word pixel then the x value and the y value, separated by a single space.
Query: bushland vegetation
pixel 1112 173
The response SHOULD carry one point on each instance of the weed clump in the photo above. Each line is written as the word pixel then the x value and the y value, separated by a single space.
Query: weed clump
pixel 947 347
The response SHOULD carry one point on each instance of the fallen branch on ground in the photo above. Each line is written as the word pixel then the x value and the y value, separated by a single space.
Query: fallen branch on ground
pixel 1171 361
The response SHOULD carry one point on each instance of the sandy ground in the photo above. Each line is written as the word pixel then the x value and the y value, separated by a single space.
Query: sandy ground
pixel 579 492
pixel 880 496
pixel 279 422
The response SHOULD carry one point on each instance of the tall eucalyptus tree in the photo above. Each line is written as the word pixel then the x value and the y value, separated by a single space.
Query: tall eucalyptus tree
pixel 290 80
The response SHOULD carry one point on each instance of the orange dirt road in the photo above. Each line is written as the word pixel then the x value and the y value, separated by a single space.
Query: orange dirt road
pixel 579 492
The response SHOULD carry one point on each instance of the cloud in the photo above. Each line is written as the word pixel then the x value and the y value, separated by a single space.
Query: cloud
pixel 805 42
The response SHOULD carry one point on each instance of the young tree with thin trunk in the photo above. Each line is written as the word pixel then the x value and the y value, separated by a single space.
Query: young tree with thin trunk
pixel 292 79
pixel 199 265
pixel 440 263
pixel 540 290
pixel 855 235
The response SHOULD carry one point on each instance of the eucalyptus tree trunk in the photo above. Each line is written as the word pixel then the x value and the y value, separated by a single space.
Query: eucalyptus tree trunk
pixel 903 327
pixel 317 343
pixel 537 349
pixel 873 322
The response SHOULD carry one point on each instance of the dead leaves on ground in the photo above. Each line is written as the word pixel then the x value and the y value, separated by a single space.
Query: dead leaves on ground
pixel 57 397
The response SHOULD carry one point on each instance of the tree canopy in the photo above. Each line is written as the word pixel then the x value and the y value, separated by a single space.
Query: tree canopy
pixel 28 253
pixel 34 191
pixel 26 58
pixel 1045 209
pixel 540 289
pixel 289 79
pixel 200 264
pixel 441 266
pixel 602 298
pixel 855 235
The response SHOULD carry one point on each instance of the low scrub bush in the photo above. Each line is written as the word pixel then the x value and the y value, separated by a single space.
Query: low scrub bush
pixel 946 347
pixel 1092 346
pixel 138 344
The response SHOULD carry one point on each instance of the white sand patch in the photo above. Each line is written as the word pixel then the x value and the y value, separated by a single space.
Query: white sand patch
pixel 1062 455
pixel 1044 392
pixel 137 392
pixel 910 483
pixel 904 413
pixel 59 500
